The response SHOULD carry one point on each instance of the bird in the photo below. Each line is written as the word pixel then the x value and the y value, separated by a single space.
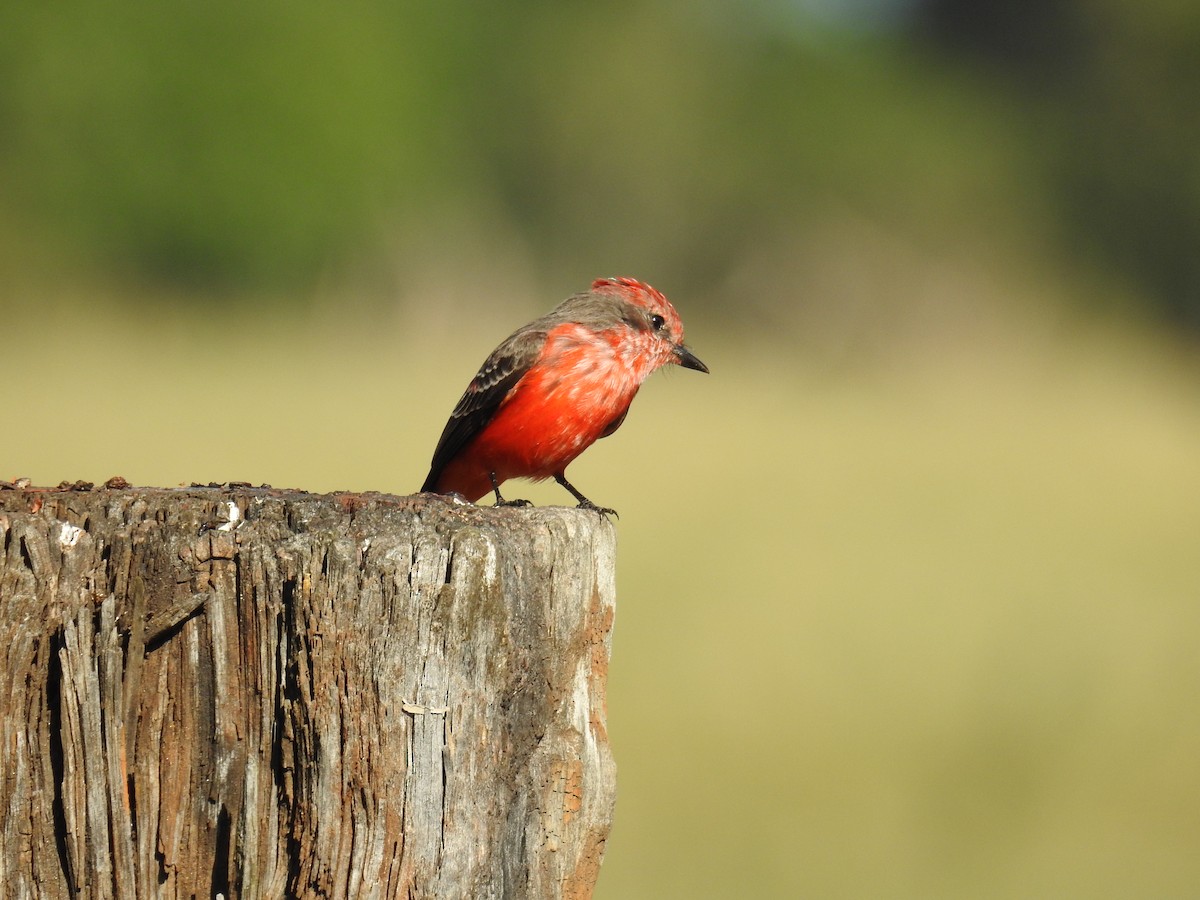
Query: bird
pixel 554 387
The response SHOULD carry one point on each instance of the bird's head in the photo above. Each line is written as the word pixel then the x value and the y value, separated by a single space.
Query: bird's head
pixel 649 313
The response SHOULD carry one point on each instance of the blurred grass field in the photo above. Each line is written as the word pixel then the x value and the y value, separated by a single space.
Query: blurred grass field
pixel 921 627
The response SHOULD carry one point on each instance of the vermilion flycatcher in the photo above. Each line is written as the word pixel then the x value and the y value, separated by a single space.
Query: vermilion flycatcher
pixel 556 386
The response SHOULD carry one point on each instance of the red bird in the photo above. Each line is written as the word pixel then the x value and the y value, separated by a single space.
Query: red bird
pixel 554 387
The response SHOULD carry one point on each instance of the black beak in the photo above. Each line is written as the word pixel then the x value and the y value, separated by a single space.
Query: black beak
pixel 688 360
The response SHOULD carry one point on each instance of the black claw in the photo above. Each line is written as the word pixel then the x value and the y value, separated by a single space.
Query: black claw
pixel 584 502
pixel 500 501
pixel 602 510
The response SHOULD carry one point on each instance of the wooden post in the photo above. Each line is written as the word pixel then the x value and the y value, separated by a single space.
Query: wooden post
pixel 260 693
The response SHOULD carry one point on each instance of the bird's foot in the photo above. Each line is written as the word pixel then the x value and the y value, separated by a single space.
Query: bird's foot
pixel 604 511
pixel 584 502
pixel 500 501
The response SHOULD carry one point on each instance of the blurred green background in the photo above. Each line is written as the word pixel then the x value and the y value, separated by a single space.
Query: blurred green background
pixel 909 588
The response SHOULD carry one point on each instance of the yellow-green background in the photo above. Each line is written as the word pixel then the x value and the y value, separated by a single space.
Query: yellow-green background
pixel 909 586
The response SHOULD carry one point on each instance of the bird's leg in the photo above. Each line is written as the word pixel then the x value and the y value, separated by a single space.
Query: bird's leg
pixel 500 501
pixel 584 502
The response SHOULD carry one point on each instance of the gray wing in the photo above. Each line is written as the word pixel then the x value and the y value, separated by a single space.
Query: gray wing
pixel 495 379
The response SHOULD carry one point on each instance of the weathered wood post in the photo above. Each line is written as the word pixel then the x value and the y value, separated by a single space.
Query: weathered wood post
pixel 262 693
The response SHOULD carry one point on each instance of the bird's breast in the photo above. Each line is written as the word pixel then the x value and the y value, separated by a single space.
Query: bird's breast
pixel 577 388
pixel 580 390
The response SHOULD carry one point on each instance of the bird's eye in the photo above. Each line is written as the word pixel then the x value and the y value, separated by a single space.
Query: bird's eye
pixel 658 322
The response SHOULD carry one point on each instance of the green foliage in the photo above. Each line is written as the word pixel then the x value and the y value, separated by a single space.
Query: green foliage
pixel 220 143
pixel 249 148
pixel 1114 88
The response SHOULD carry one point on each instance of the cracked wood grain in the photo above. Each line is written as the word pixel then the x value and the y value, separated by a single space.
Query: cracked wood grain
pixel 261 693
